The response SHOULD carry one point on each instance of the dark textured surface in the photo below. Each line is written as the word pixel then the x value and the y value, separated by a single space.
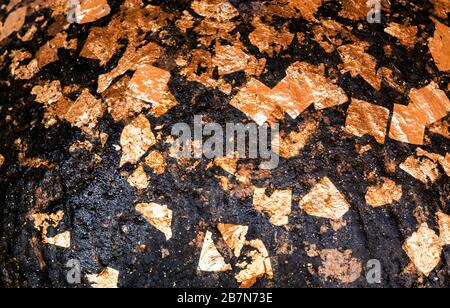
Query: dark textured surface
pixel 99 202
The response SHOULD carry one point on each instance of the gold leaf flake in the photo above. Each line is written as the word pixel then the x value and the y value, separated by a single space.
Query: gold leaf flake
pixel 438 46
pixel 259 267
pixel 441 8
pixel 428 105
pixel 268 39
pixel 221 9
pixel 444 227
pixel 139 178
pixel 156 161
pixel 80 146
pixel 234 236
pixel 366 118
pixel 60 240
pixel 13 23
pixel 384 194
pixel 2 160
pixel 423 169
pixel 101 44
pixel 107 279
pixel 292 144
pixel 91 10
pixel 149 83
pixel 405 34
pixel 340 265
pixel 137 137
pixel 277 207
pixel 231 58
pixel 48 93
pixel 424 248
pixel 325 201
pixel 210 258
pixel 159 216
pixel 229 164
pixel 359 63
pixel 442 128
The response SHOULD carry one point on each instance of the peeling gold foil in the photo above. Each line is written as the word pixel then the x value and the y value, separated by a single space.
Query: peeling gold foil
pixel 210 258
pixel 424 248
pixel 277 207
pixel 259 267
pixel 139 178
pixel 107 279
pixel 159 216
pixel 13 23
pixel 340 265
pixel 366 118
pixel 268 39
pixel 359 63
pixel 405 34
pixel 325 201
pixel 384 194
pixel 156 161
pixel 423 169
pixel 234 236
pixel 438 46
pixel 137 137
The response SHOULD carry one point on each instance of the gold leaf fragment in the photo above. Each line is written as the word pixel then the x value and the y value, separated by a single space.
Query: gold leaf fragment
pixel 277 207
pixel 340 265
pixel 325 201
pixel 137 137
pixel 366 118
pixel 159 216
pixel 423 169
pixel 156 161
pixel 424 248
pixel 384 194
pixel 234 236
pixel 210 258
pixel 444 227
pixel 139 178
pixel 259 267
pixel 107 279
pixel 438 46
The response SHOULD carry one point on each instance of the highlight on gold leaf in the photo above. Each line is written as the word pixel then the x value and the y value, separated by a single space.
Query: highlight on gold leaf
pixel 106 279
pixel 325 201
pixel 234 236
pixel 277 206
pixel 366 118
pixel 259 266
pixel 137 137
pixel 424 248
pixel 159 216
pixel 210 258
pixel 384 194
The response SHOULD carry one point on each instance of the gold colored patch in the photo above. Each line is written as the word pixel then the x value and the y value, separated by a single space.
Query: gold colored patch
pixel 384 194
pixel 340 265
pixel 107 279
pixel 277 207
pixel 139 178
pixel 210 258
pixel 259 267
pixel 424 248
pixel 234 236
pixel 366 118
pixel 156 161
pixel 325 201
pixel 423 169
pixel 137 137
pixel 405 34
pixel 159 216
pixel 438 46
